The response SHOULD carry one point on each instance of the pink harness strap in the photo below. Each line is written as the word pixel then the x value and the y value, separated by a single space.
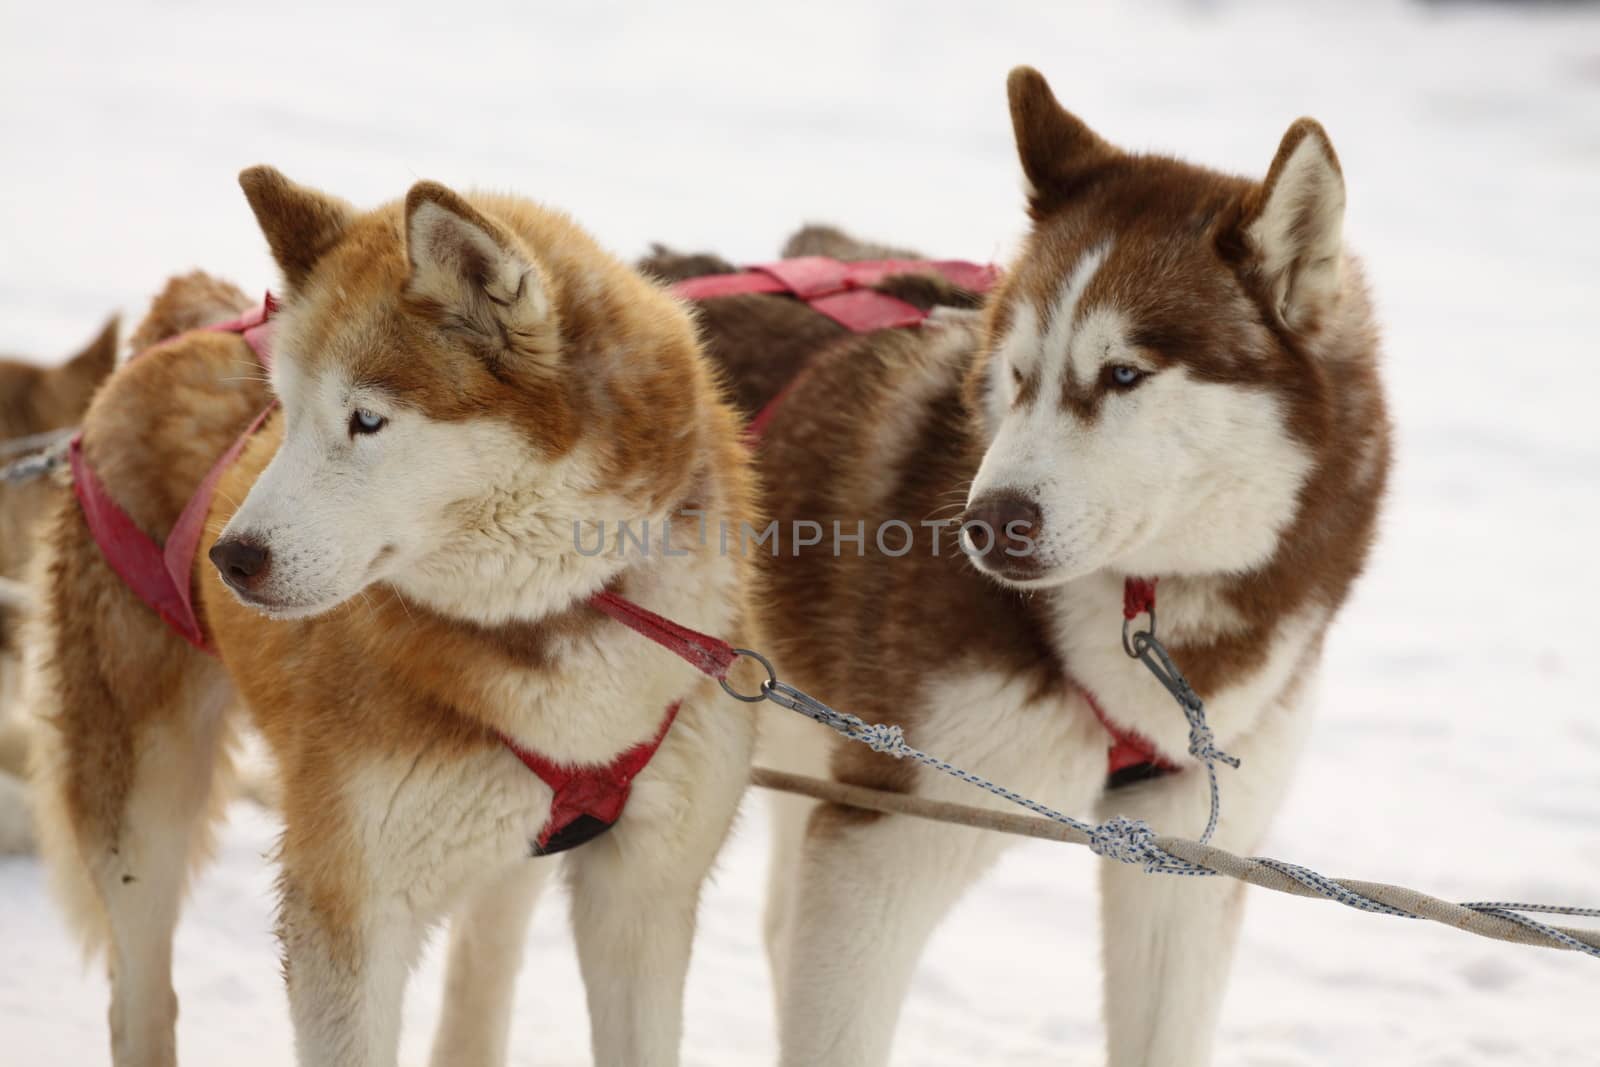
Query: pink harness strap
pixel 711 656
pixel 842 290
pixel 256 328
pixel 162 576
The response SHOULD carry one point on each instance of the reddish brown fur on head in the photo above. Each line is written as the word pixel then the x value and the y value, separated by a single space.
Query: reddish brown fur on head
pixel 1145 284
pixel 449 302
pixel 1174 223
pixel 300 224
pixel 503 358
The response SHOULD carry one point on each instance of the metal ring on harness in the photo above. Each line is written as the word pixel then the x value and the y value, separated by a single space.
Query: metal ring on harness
pixel 766 686
pixel 1134 644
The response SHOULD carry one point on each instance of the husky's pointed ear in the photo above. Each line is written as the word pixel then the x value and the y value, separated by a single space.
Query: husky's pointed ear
pixel 1294 227
pixel 74 382
pixel 1057 150
pixel 300 224
pixel 96 361
pixel 469 268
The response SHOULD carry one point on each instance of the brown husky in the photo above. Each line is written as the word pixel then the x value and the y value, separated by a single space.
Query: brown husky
pixel 1176 380
pixel 399 599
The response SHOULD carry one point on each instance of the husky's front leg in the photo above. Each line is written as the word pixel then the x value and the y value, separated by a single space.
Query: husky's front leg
pixel 868 890
pixel 1167 940
pixel 363 880
pixel 635 890
pixel 346 955
pixel 360 882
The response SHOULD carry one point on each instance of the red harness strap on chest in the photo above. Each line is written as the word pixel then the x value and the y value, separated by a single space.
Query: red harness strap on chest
pixel 587 801
pixel 1130 749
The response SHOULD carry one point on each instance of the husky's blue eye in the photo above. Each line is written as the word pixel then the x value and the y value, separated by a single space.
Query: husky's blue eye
pixel 364 421
pixel 1123 376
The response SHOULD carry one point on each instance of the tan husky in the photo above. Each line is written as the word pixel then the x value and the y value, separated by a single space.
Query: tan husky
pixel 34 401
pixel 464 381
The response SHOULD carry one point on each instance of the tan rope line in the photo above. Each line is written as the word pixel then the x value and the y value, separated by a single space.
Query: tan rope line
pixel 1225 863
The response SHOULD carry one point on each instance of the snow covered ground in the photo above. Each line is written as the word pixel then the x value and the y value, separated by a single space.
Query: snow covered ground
pixel 1459 745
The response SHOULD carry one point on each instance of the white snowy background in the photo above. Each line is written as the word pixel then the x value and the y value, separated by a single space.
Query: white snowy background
pixel 1459 747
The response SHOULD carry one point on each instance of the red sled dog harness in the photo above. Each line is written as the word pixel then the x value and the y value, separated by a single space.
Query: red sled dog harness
pixel 1131 757
pixel 843 292
pixel 586 800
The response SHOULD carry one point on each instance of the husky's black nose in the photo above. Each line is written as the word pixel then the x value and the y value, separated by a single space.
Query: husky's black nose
pixel 243 563
pixel 1003 528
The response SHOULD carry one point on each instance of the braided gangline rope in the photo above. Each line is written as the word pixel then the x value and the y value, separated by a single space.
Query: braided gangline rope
pixel 35 442
pixel 1133 840
pixel 41 454
pixel 1144 647
pixel 1119 838
pixel 1495 919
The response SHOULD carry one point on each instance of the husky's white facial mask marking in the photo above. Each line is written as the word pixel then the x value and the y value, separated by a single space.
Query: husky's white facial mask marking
pixel 361 489
pixel 1168 474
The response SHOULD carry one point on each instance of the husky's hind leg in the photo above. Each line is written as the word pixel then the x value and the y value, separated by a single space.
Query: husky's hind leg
pixel 487 933
pixel 130 746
